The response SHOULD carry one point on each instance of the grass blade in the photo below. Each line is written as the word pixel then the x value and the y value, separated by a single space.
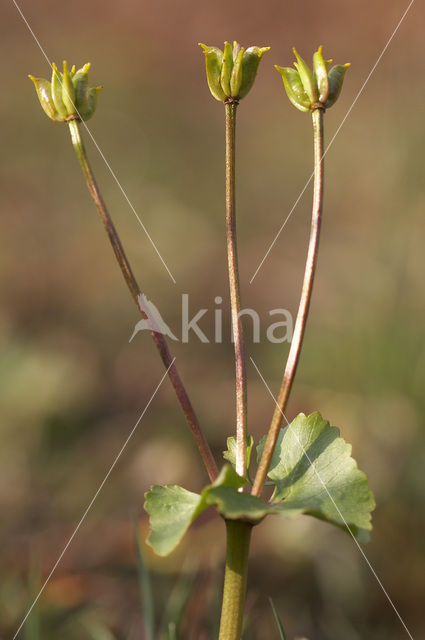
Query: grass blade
pixel 172 633
pixel 32 625
pixel 278 621
pixel 176 604
pixel 147 600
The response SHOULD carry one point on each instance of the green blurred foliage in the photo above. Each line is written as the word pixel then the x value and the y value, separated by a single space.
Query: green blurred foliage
pixel 72 386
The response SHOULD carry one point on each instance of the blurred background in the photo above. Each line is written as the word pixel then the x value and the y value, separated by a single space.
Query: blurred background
pixel 72 386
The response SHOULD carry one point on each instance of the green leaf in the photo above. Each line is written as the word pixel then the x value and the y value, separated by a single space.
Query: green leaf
pixel 234 505
pixel 230 453
pixel 172 509
pixel 315 474
pixel 226 478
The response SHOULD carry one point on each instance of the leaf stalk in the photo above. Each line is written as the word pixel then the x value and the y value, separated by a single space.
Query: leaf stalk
pixel 135 291
pixel 235 297
pixel 303 309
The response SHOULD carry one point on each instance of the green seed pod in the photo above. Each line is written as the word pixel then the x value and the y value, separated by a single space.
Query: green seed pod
pixel 236 77
pixel 320 73
pixel 85 98
pixel 336 79
pixel 236 48
pixel 68 91
pixel 294 88
pixel 213 63
pixel 226 68
pixel 231 74
pixel 57 92
pixel 68 95
pixel 89 107
pixel 250 63
pixel 44 93
pixel 309 90
pixel 80 80
pixel 307 78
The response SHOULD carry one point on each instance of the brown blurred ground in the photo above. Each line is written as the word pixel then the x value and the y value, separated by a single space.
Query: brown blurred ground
pixel 72 386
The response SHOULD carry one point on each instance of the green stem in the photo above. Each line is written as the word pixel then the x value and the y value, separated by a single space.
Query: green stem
pixel 300 324
pixel 235 298
pixel 238 538
pixel 134 288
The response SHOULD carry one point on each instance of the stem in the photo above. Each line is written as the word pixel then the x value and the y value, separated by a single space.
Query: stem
pixel 127 272
pixel 232 258
pixel 300 324
pixel 238 535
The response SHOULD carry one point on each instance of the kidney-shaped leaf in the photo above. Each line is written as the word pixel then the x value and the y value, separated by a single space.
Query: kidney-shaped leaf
pixel 315 474
pixel 230 453
pixel 172 509
pixel 312 469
